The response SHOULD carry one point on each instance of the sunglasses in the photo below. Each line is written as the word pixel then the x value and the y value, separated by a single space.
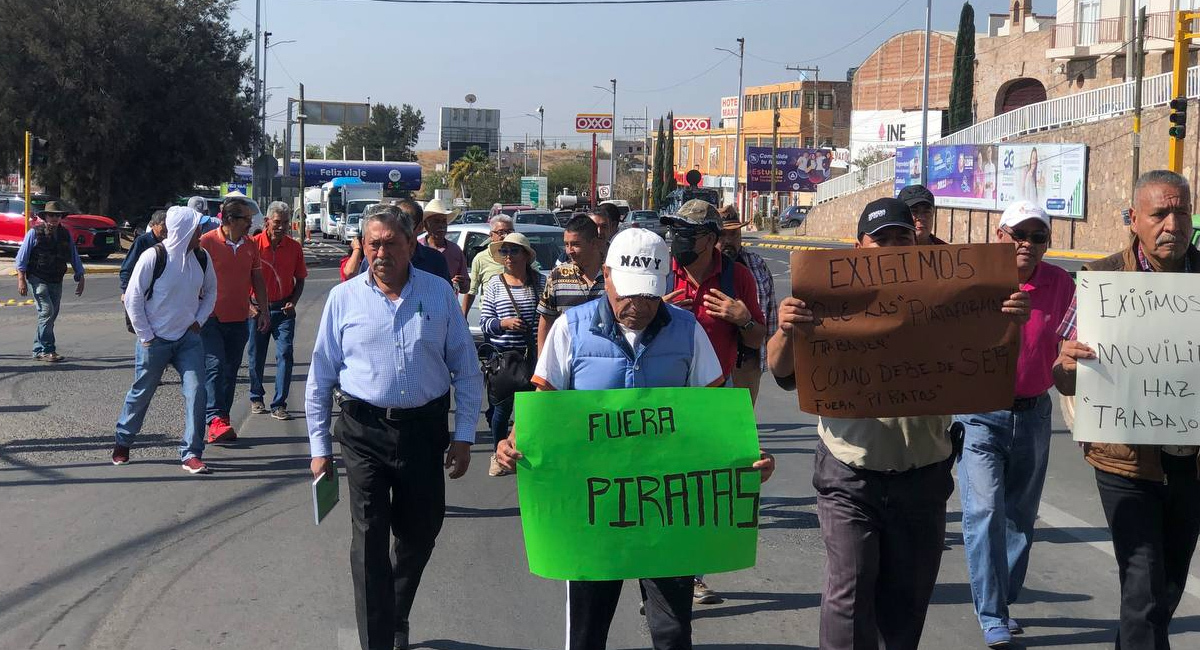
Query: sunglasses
pixel 511 251
pixel 237 217
pixel 1034 237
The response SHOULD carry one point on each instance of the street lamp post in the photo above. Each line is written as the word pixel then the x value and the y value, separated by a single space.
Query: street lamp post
pixel 612 158
pixel 737 141
pixel 541 135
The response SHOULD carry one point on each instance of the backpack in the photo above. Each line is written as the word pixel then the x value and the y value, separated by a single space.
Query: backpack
pixel 160 265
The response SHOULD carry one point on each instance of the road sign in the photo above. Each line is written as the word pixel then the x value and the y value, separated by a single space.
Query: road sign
pixel 593 122
pixel 534 191
pixel 335 113
pixel 603 192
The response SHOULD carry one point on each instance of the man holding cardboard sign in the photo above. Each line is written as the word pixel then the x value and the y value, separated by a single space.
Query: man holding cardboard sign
pixel 1005 452
pixel 883 462
pixel 1149 492
pixel 628 339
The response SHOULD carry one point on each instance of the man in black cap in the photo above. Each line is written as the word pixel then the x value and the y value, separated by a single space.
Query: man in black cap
pixel 882 485
pixel 920 202
pixel 41 264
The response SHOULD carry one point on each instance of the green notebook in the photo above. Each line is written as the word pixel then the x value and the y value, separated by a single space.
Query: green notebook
pixel 325 494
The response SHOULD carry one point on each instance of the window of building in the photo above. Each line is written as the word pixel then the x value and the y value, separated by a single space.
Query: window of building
pixel 746 103
pixel 789 142
pixel 795 99
pixel 808 142
pixel 826 101
pixel 1088 26
pixel 808 100
pixel 827 142
pixel 784 100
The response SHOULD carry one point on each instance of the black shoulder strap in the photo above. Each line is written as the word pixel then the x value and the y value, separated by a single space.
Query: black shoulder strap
pixel 728 287
pixel 202 258
pixel 160 265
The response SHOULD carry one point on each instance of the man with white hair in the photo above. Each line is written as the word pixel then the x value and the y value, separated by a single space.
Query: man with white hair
pixel 207 221
pixel 283 272
pixel 172 291
pixel 1002 468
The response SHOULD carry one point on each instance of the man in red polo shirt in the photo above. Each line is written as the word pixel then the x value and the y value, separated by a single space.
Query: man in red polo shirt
pixel 284 271
pixel 236 262
pixel 720 292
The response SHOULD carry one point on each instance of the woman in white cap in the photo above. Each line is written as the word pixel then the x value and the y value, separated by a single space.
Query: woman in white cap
pixel 509 319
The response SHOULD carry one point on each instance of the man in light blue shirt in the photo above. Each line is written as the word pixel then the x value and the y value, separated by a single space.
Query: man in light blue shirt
pixel 391 344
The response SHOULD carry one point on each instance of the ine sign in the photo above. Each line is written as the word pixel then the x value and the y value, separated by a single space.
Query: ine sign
pixel 593 123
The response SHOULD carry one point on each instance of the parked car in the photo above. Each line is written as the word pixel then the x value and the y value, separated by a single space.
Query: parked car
pixel 793 216
pixel 350 228
pixel 473 238
pixel 563 216
pixel 473 216
pixel 509 209
pixel 95 236
pixel 647 219
pixel 542 217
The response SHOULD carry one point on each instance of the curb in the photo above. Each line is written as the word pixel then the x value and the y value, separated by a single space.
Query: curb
pixel 88 270
pixel 837 240
pixel 16 302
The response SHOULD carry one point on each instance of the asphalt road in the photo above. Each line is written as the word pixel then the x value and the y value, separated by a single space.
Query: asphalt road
pixel 147 557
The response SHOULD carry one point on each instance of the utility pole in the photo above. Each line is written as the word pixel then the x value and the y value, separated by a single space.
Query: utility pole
pixel 774 147
pixel 28 178
pixel 263 96
pixel 1139 63
pixel 541 135
pixel 259 86
pixel 646 156
pixel 1183 39
pixel 612 157
pixel 300 117
pixel 816 96
pixel 925 96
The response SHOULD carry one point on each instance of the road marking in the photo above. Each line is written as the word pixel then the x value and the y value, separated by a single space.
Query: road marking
pixel 1066 523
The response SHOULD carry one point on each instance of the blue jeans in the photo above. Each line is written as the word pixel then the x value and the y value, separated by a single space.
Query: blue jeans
pixel 48 296
pixel 501 416
pixel 224 344
pixel 187 355
pixel 283 330
pixel 1000 477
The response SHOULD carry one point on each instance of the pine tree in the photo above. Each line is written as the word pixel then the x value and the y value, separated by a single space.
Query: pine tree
pixel 962 86
pixel 656 183
pixel 669 183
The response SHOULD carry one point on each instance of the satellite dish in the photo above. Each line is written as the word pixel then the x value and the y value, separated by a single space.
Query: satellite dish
pixel 470 98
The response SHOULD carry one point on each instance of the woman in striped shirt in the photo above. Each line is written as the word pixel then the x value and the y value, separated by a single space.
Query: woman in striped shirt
pixel 509 319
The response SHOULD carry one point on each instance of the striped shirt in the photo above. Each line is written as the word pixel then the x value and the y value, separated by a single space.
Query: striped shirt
pixel 393 354
pixel 568 288
pixel 766 297
pixel 497 306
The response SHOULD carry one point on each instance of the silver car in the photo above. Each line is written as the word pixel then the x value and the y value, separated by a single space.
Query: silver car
pixel 350 228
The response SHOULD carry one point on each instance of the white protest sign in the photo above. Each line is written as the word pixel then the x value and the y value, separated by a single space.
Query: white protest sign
pixel 1144 385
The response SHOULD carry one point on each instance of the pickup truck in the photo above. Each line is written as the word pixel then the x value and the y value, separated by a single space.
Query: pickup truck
pixel 94 235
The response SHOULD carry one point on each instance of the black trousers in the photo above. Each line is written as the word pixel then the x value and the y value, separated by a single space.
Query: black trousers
pixel 397 488
pixel 592 604
pixel 883 534
pixel 1154 528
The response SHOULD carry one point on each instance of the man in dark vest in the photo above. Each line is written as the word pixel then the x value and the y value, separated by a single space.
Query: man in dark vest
pixel 41 264
pixel 1149 492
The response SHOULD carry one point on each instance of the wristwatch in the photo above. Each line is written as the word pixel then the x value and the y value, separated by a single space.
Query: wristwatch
pixel 748 325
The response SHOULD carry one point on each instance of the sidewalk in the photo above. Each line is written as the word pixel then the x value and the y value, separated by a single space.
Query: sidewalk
pixel 110 265
pixel 803 242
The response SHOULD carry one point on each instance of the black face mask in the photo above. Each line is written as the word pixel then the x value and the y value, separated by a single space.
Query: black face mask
pixel 683 246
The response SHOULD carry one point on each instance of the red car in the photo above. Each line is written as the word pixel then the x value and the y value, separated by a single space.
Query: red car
pixel 94 235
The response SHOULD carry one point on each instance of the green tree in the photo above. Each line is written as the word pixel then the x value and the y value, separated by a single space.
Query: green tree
pixel 656 183
pixel 392 131
pixel 574 175
pixel 962 84
pixel 434 180
pixel 465 170
pixel 669 183
pixel 141 100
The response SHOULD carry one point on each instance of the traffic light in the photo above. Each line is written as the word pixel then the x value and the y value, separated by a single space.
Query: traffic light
pixel 1178 118
pixel 39 151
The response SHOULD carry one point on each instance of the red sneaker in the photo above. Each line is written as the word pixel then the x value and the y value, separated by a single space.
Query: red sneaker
pixel 194 465
pixel 219 431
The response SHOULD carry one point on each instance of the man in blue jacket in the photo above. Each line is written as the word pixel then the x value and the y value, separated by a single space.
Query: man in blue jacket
pixel 629 338
pixel 156 232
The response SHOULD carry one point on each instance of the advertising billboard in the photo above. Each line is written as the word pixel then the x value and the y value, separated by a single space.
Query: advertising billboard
pixel 1050 175
pixel 796 170
pixel 593 122
pixel 960 175
pixel 729 108
pixel 685 124
pixel 887 130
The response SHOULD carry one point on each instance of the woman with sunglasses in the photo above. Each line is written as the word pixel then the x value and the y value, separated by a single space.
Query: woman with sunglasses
pixel 509 319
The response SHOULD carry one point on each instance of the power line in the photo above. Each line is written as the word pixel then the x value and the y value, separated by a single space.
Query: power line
pixel 860 36
pixel 548 3
pixel 685 81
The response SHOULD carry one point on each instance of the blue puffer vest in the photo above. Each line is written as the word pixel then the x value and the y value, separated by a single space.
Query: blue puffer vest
pixel 601 358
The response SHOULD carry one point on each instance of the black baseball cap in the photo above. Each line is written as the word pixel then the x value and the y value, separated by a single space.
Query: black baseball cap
pixel 914 194
pixel 882 213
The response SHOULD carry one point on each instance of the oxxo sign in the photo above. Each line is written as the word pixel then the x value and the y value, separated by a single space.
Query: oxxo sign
pixel 693 123
pixel 593 123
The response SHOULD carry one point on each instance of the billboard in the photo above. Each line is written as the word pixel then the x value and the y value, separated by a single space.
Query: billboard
pixel 729 108
pixel 396 176
pixel 685 124
pixel 991 177
pixel 1050 175
pixel 796 170
pixel 534 191
pixel 887 130
pixel 593 123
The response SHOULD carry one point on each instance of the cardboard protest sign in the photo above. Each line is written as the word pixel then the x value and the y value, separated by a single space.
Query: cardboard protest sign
pixel 637 483
pixel 901 331
pixel 1142 386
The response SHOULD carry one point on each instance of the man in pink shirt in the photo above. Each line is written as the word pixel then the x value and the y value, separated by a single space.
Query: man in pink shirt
pixel 437 216
pixel 1003 464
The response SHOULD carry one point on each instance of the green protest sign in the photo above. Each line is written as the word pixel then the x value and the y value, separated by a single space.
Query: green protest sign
pixel 637 483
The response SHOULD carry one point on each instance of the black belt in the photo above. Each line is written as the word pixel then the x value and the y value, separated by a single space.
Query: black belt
pixel 1026 403
pixel 356 407
pixel 277 305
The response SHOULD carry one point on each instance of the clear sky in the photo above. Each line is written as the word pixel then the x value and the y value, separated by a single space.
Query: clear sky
pixel 514 58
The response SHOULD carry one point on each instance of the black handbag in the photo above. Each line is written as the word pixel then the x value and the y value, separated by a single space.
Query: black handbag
pixel 508 372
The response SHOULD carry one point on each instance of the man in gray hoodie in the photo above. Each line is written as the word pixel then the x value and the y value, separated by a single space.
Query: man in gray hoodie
pixel 171 291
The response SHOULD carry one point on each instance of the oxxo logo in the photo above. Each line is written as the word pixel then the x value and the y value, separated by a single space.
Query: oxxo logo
pixel 593 123
pixel 692 123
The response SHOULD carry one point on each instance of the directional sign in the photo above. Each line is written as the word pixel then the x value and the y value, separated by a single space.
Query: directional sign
pixel 593 123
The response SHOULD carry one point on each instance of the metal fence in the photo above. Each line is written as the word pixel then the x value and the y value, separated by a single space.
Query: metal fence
pixel 1080 108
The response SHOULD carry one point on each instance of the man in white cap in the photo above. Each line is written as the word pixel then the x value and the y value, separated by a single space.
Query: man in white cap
pixel 602 345
pixel 172 291
pixel 1003 464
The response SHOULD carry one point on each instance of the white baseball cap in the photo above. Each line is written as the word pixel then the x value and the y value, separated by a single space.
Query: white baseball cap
pixel 638 262
pixel 1020 211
